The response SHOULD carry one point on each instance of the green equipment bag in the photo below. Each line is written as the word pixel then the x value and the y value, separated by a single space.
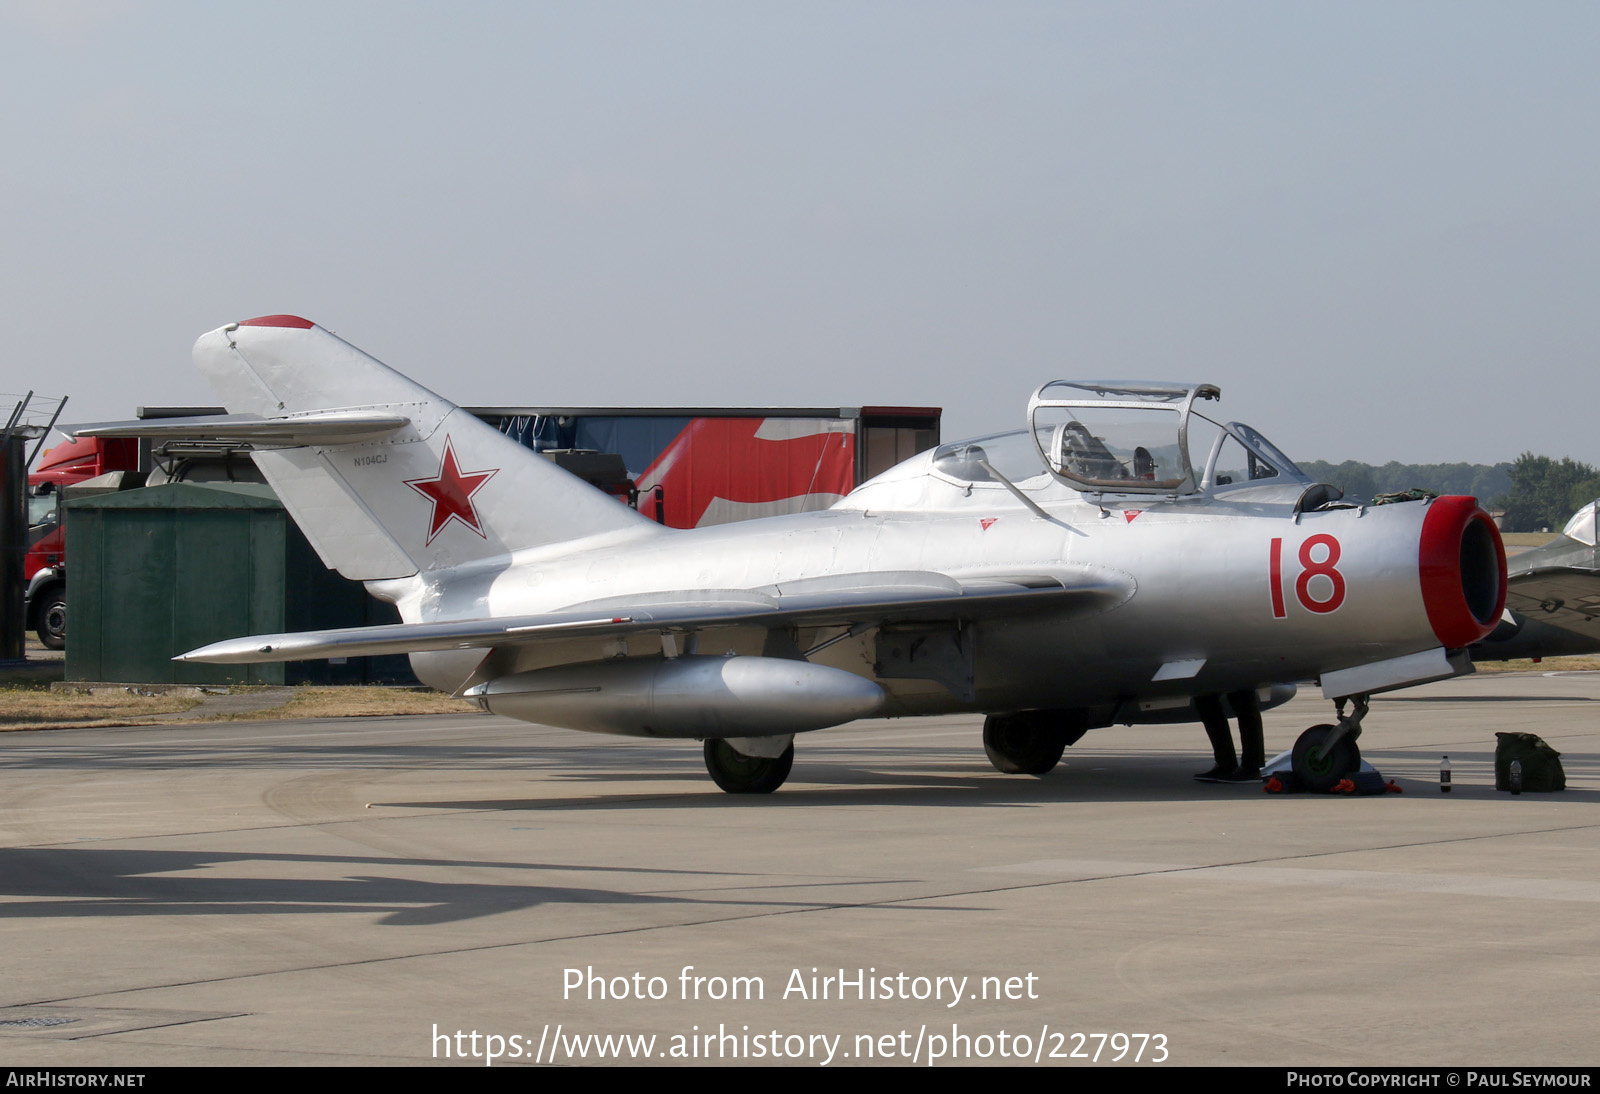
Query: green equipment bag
pixel 1541 764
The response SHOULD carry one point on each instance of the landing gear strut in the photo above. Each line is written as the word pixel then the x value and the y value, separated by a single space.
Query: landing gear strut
pixel 738 773
pixel 1325 754
pixel 1029 742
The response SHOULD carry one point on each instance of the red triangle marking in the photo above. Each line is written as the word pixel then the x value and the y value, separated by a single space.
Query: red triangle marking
pixel 986 521
pixel 1129 514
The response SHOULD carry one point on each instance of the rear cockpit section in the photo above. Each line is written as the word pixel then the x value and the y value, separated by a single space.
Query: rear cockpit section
pixel 996 458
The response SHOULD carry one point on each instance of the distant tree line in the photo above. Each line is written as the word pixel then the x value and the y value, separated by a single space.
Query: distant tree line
pixel 1545 492
pixel 1363 480
pixel 1536 492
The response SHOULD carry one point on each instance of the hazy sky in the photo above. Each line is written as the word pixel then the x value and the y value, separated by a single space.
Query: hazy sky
pixel 1375 225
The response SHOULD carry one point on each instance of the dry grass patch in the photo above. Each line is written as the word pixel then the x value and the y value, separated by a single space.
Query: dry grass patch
pixel 1582 663
pixel 41 708
pixel 37 708
pixel 1527 539
pixel 359 702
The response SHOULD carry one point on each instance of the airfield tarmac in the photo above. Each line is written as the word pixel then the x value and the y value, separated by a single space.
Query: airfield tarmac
pixel 345 891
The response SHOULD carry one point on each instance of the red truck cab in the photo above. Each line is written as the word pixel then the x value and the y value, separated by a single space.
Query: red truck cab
pixel 45 564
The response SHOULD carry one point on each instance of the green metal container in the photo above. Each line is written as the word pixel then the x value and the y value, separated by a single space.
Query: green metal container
pixel 165 569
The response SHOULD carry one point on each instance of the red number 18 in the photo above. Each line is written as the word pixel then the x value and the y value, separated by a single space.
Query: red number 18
pixel 1309 568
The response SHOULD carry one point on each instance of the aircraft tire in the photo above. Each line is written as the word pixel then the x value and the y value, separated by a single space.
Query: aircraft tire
pixel 1029 743
pixel 1320 776
pixel 740 774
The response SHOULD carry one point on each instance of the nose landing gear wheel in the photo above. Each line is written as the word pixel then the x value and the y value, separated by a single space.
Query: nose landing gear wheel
pixel 1321 774
pixel 740 774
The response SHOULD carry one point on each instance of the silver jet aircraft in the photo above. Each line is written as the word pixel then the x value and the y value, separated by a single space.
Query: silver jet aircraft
pixel 1126 553
pixel 1552 597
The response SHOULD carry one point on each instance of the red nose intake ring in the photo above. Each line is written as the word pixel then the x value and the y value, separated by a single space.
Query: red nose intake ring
pixel 1462 565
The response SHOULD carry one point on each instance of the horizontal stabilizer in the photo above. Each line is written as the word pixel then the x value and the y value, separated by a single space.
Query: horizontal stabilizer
pixel 932 597
pixel 322 427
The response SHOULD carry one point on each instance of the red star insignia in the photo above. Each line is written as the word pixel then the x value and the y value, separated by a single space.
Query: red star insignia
pixel 451 493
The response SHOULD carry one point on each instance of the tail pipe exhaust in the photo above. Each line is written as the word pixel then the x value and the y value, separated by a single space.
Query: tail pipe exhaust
pixel 1462 566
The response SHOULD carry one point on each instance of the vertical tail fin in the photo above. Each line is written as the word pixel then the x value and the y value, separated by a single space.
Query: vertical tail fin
pixel 441 491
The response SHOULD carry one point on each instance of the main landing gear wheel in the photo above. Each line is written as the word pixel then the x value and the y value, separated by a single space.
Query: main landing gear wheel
pixel 1030 743
pixel 740 774
pixel 1322 774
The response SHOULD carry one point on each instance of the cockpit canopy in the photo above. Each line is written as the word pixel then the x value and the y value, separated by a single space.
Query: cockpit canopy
pixel 1116 437
pixel 1582 525
pixel 1121 437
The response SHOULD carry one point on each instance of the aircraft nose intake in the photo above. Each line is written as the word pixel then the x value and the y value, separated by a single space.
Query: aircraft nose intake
pixel 1462 567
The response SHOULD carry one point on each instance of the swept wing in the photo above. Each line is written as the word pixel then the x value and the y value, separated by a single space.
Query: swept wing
pixel 1553 597
pixel 1561 589
pixel 837 600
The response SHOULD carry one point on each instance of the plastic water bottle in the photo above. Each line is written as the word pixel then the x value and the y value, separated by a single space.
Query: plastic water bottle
pixel 1516 776
pixel 1444 775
